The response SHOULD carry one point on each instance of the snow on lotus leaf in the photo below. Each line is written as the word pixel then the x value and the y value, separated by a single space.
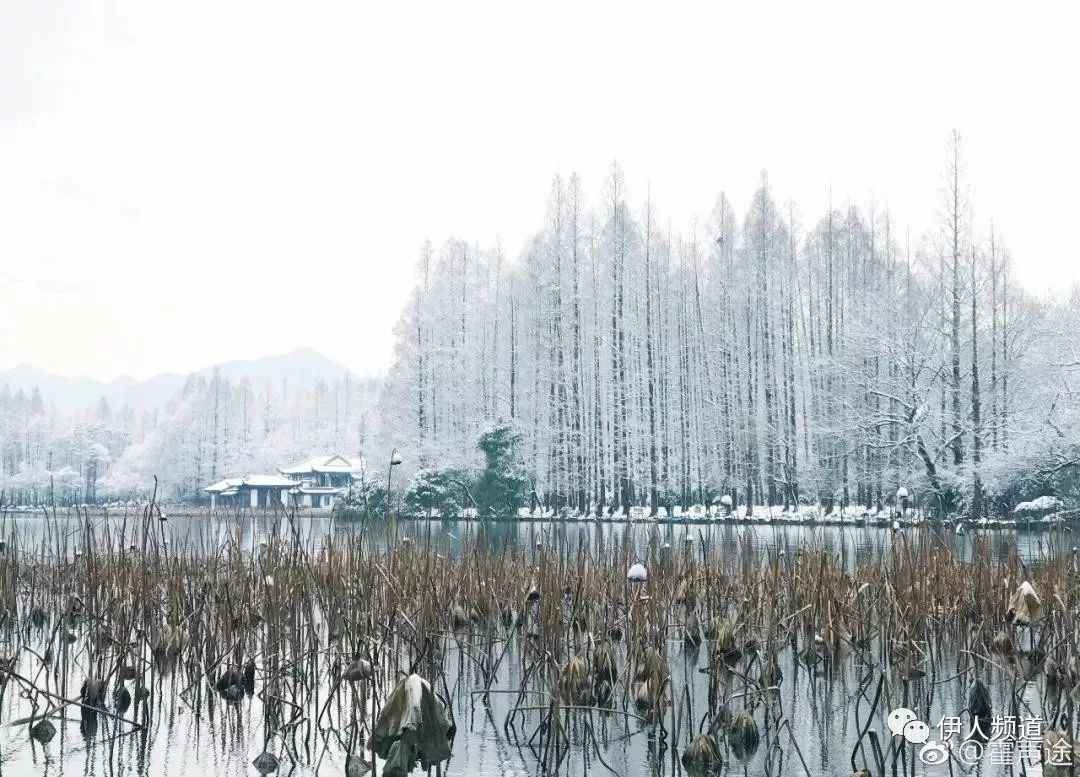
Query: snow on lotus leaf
pixel 1024 606
pixel 412 727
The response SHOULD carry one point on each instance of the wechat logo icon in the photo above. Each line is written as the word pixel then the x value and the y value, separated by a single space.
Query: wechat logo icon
pixel 904 722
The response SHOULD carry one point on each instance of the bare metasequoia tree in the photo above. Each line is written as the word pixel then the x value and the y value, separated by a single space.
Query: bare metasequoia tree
pixel 754 357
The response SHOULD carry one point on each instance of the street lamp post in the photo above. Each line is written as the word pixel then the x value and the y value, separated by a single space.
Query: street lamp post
pixel 395 459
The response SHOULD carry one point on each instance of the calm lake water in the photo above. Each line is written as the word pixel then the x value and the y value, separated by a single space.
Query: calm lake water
pixel 826 707
pixel 203 533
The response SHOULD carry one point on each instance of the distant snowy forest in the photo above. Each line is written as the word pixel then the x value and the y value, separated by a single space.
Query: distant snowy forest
pixel 211 429
pixel 777 360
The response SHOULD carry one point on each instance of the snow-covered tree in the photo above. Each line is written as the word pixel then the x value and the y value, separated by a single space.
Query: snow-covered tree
pixel 744 356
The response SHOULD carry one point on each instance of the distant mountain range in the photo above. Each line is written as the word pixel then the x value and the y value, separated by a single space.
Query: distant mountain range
pixel 299 368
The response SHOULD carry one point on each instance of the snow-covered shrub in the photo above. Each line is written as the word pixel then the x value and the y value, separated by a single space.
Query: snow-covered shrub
pixel 1039 506
pixel 436 490
pixel 368 501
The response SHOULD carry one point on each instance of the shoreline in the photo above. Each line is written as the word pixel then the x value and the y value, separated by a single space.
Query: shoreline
pixel 695 519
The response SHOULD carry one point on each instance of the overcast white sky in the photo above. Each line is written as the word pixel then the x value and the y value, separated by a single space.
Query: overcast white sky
pixel 184 183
